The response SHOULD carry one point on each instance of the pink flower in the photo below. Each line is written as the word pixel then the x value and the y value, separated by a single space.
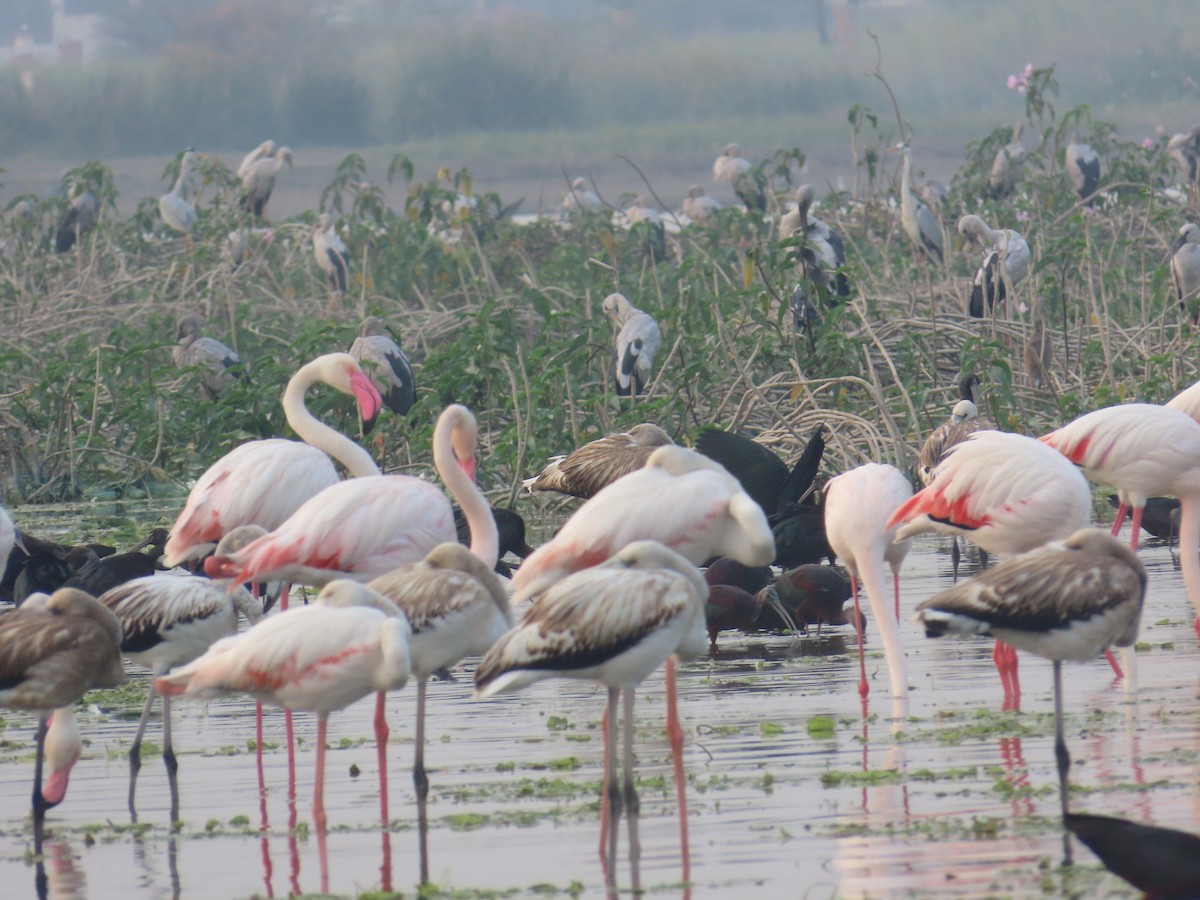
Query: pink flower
pixel 1028 71
pixel 1012 82
pixel 1147 143
pixel 1022 216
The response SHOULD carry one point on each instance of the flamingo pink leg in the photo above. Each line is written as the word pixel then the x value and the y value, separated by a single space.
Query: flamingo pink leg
pixel 1112 661
pixel 381 739
pixel 1137 526
pixel 318 807
pixel 675 737
pixel 1119 520
pixel 605 812
pixel 863 687
pixel 1000 658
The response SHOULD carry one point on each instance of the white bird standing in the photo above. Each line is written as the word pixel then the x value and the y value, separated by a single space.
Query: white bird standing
pixel 212 357
pixel 1005 262
pixel 1006 165
pixel 266 148
pixel 258 181
pixel 581 198
pixel 638 340
pixel 1185 268
pixel 264 482
pixel 386 365
pixel 614 623
pixel 166 621
pixel 332 257
pixel 857 506
pixel 919 223
pixel 1063 602
pixel 1083 168
pixel 173 206
pixel 697 205
pixel 733 169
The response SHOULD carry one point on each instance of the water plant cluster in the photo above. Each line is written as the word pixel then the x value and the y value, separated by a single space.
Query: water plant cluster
pixel 505 315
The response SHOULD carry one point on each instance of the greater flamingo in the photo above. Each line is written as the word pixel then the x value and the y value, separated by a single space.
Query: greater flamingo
pixel 366 527
pixel 264 482
pixel 584 472
pixel 857 506
pixel 614 623
pixel 1067 601
pixel 349 643
pixel 1143 451
pixel 52 651
pixel 1005 494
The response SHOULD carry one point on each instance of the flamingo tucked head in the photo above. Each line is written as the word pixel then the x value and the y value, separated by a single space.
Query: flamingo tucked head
pixel 63 745
pixel 463 438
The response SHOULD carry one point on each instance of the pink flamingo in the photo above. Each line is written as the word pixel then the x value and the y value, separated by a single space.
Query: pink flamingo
pixel 365 527
pixel 857 506
pixel 264 482
pixel 1143 451
pixel 614 623
pixel 350 643
pixel 1005 494
pixel 53 650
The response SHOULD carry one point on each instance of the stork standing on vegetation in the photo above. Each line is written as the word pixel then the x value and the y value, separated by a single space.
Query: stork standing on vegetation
pixel 581 198
pixel 919 223
pixel 80 217
pixel 697 205
pixel 1006 165
pixel 820 256
pixel 174 206
pixel 259 180
pixel 1185 268
pixel 1005 262
pixel 266 148
pixel 215 361
pixel 386 365
pixel 1185 150
pixel 638 340
pixel 586 471
pixel 1083 168
pixel 332 257
pixel 734 170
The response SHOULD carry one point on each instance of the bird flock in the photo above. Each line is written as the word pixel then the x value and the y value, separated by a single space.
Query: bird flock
pixel 670 545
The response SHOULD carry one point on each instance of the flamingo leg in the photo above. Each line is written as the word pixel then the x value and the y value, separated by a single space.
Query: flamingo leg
pixel 1061 756
pixel 169 761
pixel 605 812
pixel 1137 526
pixel 632 803
pixel 955 556
pixel 291 745
pixel 318 807
pixel 611 789
pixel 421 782
pixel 1112 661
pixel 863 687
pixel 1013 674
pixel 135 752
pixel 1119 519
pixel 381 739
pixel 675 738
pixel 39 802
pixel 999 657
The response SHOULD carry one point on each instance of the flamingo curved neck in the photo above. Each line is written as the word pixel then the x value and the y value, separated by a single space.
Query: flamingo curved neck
pixel 485 542
pixel 317 433
pixel 870 576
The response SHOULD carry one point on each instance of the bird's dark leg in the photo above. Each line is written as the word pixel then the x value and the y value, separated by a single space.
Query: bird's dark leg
pixel 135 753
pixel 39 802
pixel 611 789
pixel 605 811
pixel 421 783
pixel 863 687
pixel 1061 756
pixel 984 559
pixel 955 556
pixel 169 760
pixel 632 804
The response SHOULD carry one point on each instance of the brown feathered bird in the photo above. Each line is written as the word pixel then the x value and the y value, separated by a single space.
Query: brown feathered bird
pixel 584 472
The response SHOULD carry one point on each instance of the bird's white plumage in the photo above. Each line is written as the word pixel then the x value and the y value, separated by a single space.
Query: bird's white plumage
pixel 331 254
pixel 581 197
pixel 266 148
pixel 173 206
pixel 1186 401
pixel 729 165
pixel 638 341
pixel 919 223
pixel 1185 265
pixel 1011 245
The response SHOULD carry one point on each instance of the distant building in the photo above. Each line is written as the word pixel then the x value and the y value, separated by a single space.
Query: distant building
pixel 76 35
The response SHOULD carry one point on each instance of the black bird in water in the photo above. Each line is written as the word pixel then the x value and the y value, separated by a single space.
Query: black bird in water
pixel 510 529
pixel 815 595
pixel 39 565
pixel 797 516
pixel 1161 862
pixel 102 575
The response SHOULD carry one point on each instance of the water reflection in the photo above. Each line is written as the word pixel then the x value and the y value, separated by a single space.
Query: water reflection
pixel 57 877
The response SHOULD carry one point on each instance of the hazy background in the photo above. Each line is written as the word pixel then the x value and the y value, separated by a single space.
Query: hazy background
pixel 520 90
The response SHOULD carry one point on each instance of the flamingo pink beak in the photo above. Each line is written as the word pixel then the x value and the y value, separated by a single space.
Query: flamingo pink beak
pixel 369 399
pixel 468 466
pixel 54 789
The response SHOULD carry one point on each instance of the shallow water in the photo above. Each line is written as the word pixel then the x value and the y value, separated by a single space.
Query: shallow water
pixel 956 799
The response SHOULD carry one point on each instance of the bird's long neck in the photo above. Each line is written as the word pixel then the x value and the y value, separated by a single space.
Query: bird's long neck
pixel 1189 540
pixel 317 433
pixel 907 198
pixel 485 541
pixel 871 577
pixel 181 182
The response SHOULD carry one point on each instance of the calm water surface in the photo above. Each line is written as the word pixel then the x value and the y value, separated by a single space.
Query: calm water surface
pixel 791 792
